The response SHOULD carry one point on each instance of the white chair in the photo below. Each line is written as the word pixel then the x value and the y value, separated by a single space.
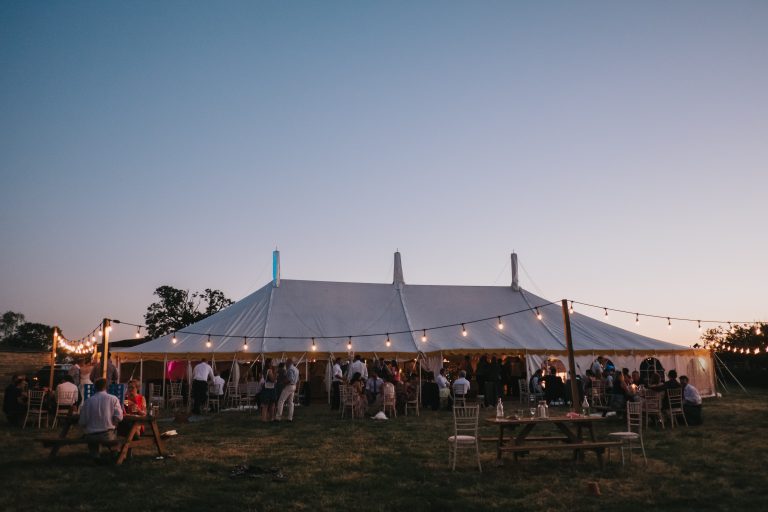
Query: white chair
pixel 64 402
pixel 525 392
pixel 175 397
pixel 465 424
pixel 389 402
pixel 156 397
pixel 414 404
pixel 214 399
pixel 652 407
pixel 349 401
pixel 634 431
pixel 36 407
pixel 234 397
pixel 675 402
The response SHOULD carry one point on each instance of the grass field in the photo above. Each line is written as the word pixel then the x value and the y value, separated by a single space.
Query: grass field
pixel 395 465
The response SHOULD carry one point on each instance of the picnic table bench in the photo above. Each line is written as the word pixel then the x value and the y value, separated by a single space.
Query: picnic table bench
pixel 126 444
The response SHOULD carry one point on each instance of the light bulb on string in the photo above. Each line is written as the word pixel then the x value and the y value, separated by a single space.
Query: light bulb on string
pixel 245 343
pixel 314 347
pixel 570 309
pixel 463 330
pixel 138 332
pixel 174 340
pixel 637 319
pixel 669 323
pixel 423 336
pixel 538 314
pixel 699 325
pixel 606 313
pixel 93 338
pixel 349 343
pixel 388 343
pixel 208 342
pixel 101 333
pixel 501 325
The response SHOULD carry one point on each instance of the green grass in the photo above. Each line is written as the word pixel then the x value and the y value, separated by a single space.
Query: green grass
pixel 399 464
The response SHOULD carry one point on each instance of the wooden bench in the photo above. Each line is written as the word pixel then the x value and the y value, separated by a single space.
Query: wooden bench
pixel 56 443
pixel 508 439
pixel 597 446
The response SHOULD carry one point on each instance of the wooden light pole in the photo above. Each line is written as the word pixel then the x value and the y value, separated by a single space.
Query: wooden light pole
pixel 571 362
pixel 53 356
pixel 105 325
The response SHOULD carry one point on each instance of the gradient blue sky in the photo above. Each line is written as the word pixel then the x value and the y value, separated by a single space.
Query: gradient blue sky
pixel 621 148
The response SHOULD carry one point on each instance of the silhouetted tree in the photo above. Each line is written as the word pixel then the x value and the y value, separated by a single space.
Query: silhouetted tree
pixel 177 309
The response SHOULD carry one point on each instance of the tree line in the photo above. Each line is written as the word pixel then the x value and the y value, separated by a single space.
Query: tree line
pixel 174 310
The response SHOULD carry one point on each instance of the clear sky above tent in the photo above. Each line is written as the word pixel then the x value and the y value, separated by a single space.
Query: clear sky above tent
pixel 618 147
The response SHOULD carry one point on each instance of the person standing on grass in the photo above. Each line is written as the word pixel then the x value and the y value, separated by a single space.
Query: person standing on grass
pixel 201 374
pixel 15 401
pixel 444 388
pixel 99 417
pixel 268 393
pixel 111 371
pixel 337 376
pixel 292 380
pixel 358 366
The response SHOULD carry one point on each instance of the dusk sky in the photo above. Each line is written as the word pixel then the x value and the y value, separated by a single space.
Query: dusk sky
pixel 620 148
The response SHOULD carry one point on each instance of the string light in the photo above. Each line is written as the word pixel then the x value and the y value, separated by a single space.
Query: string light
pixel 174 339
pixel 245 343
pixel 538 314
pixel 314 347
pixel 463 330
pixel 699 325
pixel 637 319
pixel 93 338
pixel 570 309
pixel 208 342
pixel 138 332
pixel 501 325
pixel 669 323
pixel 101 333
pixel 423 336
pixel 606 312
pixel 349 343
pixel 388 343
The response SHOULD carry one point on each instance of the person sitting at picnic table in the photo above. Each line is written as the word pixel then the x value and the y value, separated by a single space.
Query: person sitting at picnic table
pixel 691 402
pixel 15 401
pixel 554 390
pixel 461 386
pixel 670 383
pixel 135 405
pixel 636 380
pixel 67 385
pixel 99 416
pixel 534 383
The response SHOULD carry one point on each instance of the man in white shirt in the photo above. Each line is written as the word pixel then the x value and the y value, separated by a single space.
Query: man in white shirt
pixel 691 402
pixel 357 366
pixel 336 378
pixel 201 374
pixel 461 385
pixel 67 393
pixel 99 417
pixel 292 373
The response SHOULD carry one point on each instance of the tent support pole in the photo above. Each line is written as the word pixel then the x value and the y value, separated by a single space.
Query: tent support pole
pixel 165 368
pixel 571 361
pixel 731 373
pixel 141 371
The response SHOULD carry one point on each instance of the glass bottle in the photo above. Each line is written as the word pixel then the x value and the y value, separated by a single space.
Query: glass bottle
pixel 500 409
pixel 585 406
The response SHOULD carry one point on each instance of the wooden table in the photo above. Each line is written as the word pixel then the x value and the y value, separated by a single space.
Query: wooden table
pixel 572 436
pixel 131 440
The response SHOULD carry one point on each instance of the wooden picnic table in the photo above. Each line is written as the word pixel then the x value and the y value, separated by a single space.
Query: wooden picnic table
pixel 572 432
pixel 131 440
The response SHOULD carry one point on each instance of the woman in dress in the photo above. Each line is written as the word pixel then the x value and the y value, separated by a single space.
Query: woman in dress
pixel 268 393
pixel 135 405
pixel 361 401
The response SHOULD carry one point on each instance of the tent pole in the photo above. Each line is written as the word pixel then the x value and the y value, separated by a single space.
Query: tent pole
pixel 571 361
pixel 141 371
pixel 165 368
pixel 731 373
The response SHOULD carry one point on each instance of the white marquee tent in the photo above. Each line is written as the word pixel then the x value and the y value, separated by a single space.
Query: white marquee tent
pixel 284 316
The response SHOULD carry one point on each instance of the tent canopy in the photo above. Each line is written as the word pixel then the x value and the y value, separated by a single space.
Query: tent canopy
pixel 283 320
